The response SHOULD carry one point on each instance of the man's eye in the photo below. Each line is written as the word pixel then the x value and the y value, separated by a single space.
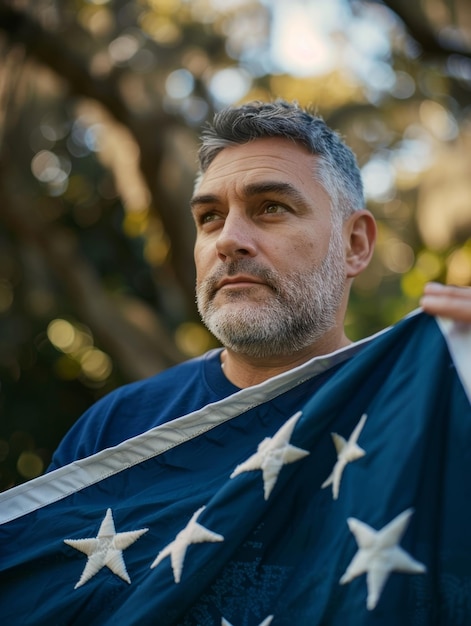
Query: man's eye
pixel 275 208
pixel 206 218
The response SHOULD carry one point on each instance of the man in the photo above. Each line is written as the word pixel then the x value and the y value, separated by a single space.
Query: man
pixel 264 480
pixel 281 234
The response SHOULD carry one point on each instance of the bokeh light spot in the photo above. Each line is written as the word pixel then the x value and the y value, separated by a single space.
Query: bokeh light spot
pixel 30 465
pixel 123 48
pixel 413 283
pixel 61 334
pixel 459 267
pixel 378 178
pixel 397 255
pixel 438 120
pixel 179 84
pixel 430 264
pixel 229 85
pixel 192 339
pixel 96 365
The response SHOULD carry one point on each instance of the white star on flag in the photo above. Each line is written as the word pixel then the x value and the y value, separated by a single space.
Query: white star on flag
pixel 347 451
pixel 265 622
pixel 379 554
pixel 272 453
pixel 192 533
pixel 105 550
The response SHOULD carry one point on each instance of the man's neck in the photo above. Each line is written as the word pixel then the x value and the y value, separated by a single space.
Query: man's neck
pixel 244 371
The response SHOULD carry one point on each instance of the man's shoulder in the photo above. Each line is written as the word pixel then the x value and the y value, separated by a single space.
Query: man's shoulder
pixel 172 380
pixel 138 406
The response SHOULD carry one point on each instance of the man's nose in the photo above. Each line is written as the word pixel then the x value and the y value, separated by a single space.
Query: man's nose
pixel 236 238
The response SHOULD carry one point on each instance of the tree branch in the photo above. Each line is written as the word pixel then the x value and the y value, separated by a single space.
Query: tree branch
pixel 141 348
pixel 419 27
pixel 149 130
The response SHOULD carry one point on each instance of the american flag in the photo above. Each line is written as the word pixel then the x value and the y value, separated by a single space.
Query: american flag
pixel 356 511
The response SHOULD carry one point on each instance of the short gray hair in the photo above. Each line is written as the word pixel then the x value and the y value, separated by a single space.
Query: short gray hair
pixel 337 169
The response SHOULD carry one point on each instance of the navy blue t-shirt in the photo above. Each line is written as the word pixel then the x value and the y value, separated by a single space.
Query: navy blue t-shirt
pixel 140 406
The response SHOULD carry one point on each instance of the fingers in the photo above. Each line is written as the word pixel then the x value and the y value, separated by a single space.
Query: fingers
pixel 447 301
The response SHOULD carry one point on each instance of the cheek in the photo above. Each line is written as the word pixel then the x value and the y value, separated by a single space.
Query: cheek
pixel 202 259
pixel 305 252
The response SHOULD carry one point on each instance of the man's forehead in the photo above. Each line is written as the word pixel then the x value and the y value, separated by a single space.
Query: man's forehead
pixel 276 147
pixel 259 161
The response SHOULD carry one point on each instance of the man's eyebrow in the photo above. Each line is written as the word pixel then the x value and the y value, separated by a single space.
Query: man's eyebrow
pixel 207 198
pixel 285 189
pixel 255 189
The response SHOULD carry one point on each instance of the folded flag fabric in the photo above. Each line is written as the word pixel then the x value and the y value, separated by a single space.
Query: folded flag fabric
pixel 356 511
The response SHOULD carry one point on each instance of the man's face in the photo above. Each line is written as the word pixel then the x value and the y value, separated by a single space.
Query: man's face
pixel 270 262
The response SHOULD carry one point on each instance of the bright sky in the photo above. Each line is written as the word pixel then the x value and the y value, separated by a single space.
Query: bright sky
pixel 313 37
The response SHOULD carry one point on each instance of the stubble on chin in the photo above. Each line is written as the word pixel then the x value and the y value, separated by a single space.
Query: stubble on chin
pixel 295 311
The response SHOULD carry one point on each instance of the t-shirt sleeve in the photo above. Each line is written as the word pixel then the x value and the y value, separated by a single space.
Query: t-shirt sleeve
pixel 137 407
pixel 83 438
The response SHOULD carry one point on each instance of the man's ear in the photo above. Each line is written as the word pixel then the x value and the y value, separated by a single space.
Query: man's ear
pixel 360 236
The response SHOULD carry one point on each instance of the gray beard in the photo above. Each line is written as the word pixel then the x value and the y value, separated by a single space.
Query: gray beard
pixel 300 310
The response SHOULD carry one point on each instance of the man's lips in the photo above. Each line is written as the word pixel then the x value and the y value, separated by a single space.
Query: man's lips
pixel 238 281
